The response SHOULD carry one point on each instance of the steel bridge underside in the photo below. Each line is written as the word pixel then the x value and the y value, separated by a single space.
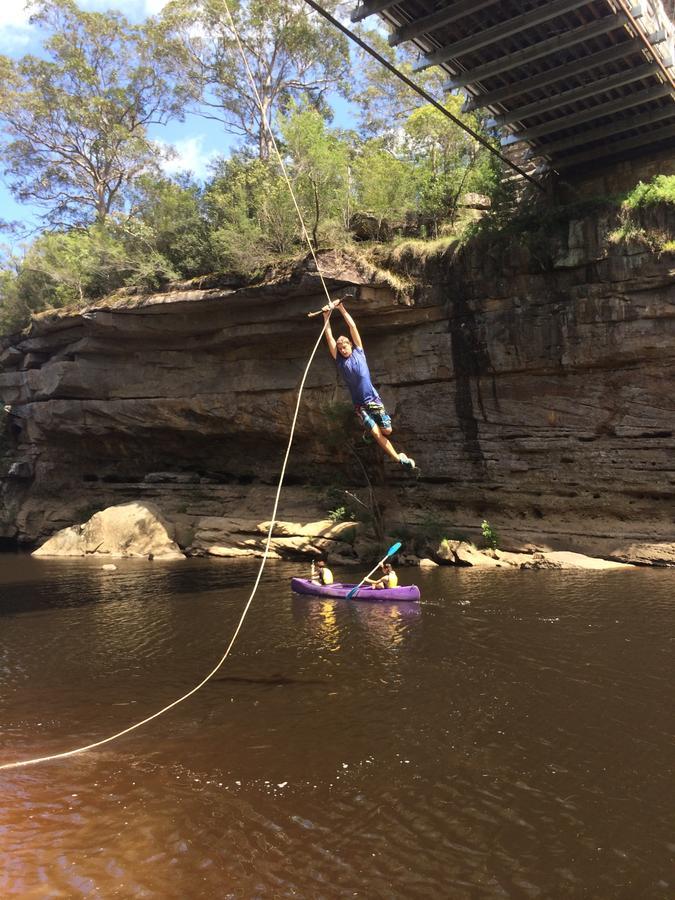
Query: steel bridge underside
pixel 569 82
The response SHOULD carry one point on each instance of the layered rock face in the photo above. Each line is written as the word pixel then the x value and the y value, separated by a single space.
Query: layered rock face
pixel 532 382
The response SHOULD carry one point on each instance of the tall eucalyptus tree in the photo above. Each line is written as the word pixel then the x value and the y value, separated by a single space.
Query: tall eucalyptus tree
pixel 74 120
pixel 293 55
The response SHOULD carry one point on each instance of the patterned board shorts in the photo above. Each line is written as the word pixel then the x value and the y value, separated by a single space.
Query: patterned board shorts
pixel 372 414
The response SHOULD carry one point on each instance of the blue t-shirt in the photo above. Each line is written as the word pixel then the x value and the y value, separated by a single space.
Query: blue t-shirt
pixel 354 370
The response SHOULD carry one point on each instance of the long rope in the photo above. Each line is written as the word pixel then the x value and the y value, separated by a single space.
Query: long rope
pixel 164 709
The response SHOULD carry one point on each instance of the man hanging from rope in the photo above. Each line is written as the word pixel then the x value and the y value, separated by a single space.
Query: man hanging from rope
pixel 353 366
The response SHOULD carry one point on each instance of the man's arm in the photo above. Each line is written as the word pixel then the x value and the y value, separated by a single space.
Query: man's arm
pixel 330 340
pixel 353 330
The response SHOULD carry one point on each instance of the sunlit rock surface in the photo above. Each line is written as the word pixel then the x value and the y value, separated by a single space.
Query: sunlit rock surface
pixel 131 530
pixel 533 385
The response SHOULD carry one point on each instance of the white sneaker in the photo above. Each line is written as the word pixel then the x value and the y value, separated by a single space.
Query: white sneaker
pixel 406 461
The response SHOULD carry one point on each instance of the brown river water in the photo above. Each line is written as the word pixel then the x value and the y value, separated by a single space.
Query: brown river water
pixel 510 737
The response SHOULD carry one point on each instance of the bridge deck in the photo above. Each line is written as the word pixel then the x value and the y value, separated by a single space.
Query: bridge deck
pixel 571 82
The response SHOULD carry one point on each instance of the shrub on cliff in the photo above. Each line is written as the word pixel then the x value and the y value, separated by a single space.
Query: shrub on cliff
pixel 643 217
pixel 72 268
pixel 660 189
pixel 175 221
pixel 14 311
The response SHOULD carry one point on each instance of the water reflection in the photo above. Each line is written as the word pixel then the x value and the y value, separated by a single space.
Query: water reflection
pixel 385 624
pixel 388 623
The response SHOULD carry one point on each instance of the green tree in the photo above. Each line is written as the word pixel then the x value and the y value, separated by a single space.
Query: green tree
pixel 77 266
pixel 384 182
pixel 446 157
pixel 14 311
pixel 173 212
pixel 293 56
pixel 320 170
pixel 250 214
pixel 384 101
pixel 76 121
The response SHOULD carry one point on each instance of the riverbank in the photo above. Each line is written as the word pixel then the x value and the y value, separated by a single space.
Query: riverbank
pixel 141 531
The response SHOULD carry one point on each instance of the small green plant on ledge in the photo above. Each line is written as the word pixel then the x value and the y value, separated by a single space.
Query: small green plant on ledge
pixel 660 189
pixel 340 514
pixel 489 534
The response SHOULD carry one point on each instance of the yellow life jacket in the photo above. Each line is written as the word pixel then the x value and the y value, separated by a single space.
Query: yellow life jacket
pixel 326 575
pixel 393 579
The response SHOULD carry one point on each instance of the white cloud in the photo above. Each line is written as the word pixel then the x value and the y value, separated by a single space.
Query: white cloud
pixel 16 31
pixel 136 10
pixel 152 7
pixel 13 14
pixel 189 155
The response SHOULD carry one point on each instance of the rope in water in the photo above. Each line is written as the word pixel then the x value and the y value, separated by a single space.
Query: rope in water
pixel 113 737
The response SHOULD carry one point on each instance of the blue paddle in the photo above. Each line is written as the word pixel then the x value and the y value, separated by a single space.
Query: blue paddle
pixel 390 552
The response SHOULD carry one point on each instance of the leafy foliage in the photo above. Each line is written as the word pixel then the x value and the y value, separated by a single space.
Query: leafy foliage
pixel 490 536
pixel 448 160
pixel 635 222
pixel 320 162
pixel 340 514
pixel 172 212
pixel 76 142
pixel 292 56
pixel 661 189
pixel 383 100
pixel 385 183
pixel 76 122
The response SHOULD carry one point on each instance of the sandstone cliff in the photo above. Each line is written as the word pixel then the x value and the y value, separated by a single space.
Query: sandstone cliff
pixel 533 383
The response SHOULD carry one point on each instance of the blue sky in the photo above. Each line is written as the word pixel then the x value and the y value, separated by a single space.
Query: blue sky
pixel 196 141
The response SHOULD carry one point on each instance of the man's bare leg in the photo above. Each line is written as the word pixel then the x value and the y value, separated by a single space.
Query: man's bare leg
pixel 384 442
pixel 381 436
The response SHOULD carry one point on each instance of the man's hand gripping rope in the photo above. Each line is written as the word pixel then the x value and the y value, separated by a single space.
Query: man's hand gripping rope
pixel 329 307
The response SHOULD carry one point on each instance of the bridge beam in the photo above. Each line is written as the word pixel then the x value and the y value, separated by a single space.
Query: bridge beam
pixel 438 19
pixel 594 88
pixel 600 111
pixel 536 51
pixel 559 73
pixel 597 134
pixel 371 8
pixel 470 44
pixel 632 143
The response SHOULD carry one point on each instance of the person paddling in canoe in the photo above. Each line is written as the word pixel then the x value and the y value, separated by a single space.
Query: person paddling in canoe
pixel 389 578
pixel 353 367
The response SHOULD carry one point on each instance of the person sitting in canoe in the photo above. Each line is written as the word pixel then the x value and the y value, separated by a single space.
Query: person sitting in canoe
pixel 353 367
pixel 321 574
pixel 389 578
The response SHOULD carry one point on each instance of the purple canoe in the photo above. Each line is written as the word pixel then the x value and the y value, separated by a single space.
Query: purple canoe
pixel 403 594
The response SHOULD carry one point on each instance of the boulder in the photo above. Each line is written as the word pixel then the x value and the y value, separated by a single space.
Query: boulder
pixel 236 536
pixel 564 559
pixel 541 561
pixel 660 553
pixel 135 530
pixel 461 553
